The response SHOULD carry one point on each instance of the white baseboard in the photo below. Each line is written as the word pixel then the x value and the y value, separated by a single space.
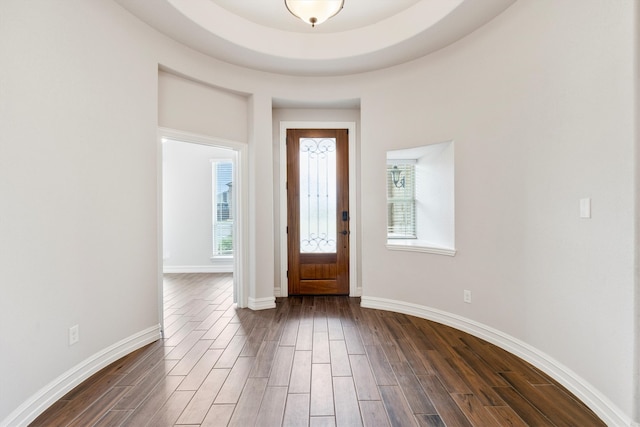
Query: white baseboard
pixel 52 392
pixel 197 269
pixel 276 292
pixel 262 303
pixel 590 396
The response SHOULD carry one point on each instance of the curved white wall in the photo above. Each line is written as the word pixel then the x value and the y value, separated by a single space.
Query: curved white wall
pixel 78 199
pixel 204 110
pixel 540 103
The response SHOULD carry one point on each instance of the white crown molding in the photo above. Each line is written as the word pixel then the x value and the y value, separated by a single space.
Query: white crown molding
pixel 262 303
pixel 52 392
pixel 589 395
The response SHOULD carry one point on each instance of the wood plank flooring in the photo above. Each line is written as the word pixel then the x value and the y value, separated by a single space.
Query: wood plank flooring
pixel 312 361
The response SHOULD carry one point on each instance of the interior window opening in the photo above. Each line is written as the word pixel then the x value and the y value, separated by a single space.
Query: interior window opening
pixel 420 199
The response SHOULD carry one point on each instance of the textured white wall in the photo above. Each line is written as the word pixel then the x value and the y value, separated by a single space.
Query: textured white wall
pixel 204 110
pixel 540 103
pixel 77 187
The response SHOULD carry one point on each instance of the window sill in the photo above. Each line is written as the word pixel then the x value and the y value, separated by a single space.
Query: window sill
pixel 221 258
pixel 418 246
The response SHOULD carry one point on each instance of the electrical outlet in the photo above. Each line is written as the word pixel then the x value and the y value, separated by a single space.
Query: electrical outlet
pixel 74 334
pixel 467 296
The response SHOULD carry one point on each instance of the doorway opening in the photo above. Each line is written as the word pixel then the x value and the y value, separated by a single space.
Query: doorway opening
pixel 318 269
pixel 201 208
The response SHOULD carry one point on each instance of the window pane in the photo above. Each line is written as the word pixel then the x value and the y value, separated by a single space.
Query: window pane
pixel 318 195
pixel 223 215
pixel 400 181
pixel 401 222
pixel 401 215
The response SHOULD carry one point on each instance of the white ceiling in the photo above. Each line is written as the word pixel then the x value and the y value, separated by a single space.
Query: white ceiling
pixel 366 35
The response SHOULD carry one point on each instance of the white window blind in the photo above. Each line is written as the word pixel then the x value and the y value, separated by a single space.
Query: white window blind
pixel 222 208
pixel 401 202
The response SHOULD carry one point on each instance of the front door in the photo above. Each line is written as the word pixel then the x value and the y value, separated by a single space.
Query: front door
pixel 318 211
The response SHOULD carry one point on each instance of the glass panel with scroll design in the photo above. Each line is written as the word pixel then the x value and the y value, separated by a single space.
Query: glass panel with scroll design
pixel 318 195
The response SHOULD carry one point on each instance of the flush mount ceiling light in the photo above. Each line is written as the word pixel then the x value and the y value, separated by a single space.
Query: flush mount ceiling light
pixel 314 11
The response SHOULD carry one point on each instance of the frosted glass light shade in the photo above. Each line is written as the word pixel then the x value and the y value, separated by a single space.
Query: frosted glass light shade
pixel 314 11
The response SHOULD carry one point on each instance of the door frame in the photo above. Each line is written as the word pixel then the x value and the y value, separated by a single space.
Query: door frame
pixel 354 288
pixel 241 202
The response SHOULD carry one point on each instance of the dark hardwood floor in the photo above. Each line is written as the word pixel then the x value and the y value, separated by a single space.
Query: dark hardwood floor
pixel 312 361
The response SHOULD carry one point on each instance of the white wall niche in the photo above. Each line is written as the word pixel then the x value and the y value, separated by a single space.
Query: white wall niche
pixel 434 196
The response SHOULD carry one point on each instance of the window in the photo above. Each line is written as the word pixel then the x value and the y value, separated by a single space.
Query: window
pixel 223 212
pixel 420 199
pixel 401 202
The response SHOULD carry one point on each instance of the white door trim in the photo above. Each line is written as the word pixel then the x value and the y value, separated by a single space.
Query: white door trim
pixel 241 201
pixel 354 288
